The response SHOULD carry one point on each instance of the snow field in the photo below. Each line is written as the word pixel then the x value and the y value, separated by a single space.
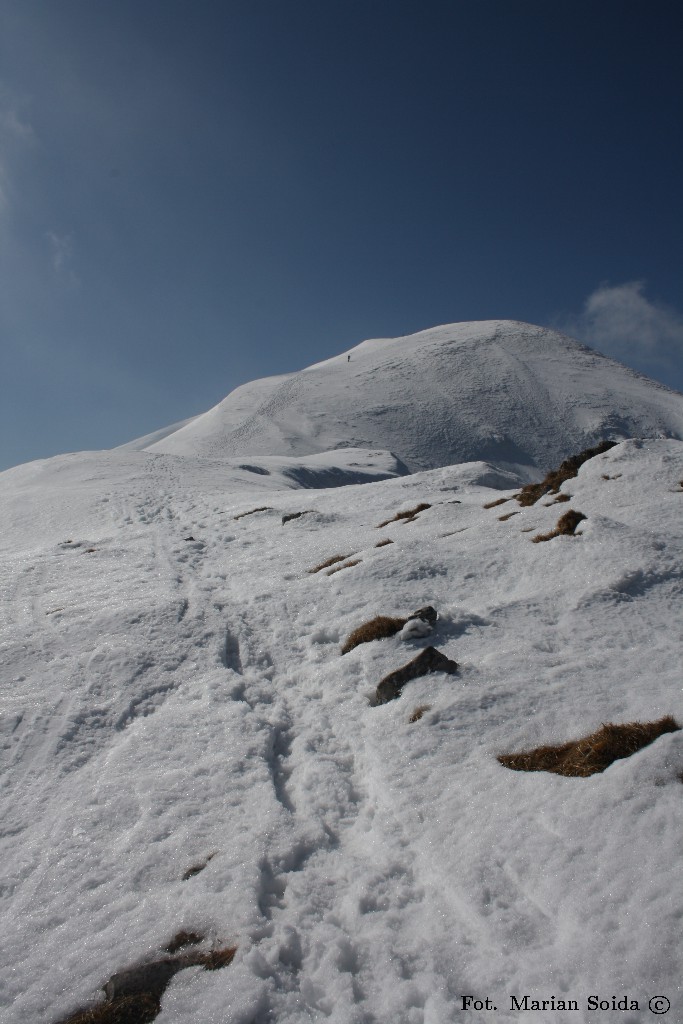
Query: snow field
pixel 167 699
pixel 501 391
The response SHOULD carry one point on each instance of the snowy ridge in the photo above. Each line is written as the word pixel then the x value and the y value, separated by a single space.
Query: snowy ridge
pixel 494 391
pixel 174 695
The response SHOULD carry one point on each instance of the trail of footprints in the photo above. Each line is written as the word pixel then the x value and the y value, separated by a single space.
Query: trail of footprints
pixel 143 984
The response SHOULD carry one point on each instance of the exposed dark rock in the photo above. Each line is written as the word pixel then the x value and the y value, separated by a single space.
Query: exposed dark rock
pixel 427 614
pixel 429 660
pixel 153 978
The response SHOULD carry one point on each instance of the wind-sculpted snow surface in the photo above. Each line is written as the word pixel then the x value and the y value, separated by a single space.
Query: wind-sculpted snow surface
pixel 186 749
pixel 497 391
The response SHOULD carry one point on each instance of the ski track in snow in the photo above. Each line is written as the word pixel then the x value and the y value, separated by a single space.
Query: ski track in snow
pixel 190 701
pixel 330 829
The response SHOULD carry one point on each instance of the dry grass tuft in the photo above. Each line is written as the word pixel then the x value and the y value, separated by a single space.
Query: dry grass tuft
pixel 566 525
pixel 569 521
pixel 409 515
pixel 379 628
pixel 383 543
pixel 194 869
pixel 218 958
pixel 346 565
pixel 419 712
pixel 330 561
pixel 263 508
pixel 288 516
pixel 383 626
pixel 553 480
pixel 494 504
pixel 509 515
pixel 133 996
pixel 140 1008
pixel 592 754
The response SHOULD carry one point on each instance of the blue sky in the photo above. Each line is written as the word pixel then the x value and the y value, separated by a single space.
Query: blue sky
pixel 196 194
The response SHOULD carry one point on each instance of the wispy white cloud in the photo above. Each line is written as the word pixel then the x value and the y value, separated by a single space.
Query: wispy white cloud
pixel 12 124
pixel 62 255
pixel 16 134
pixel 620 321
pixel 4 186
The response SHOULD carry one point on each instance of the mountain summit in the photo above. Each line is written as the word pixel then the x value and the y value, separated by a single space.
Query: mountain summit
pixel 364 744
pixel 520 396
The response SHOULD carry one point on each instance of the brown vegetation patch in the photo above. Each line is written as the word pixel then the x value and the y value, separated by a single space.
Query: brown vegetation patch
pixel 509 515
pixel 346 565
pixel 330 561
pixel 263 508
pixel 419 712
pixel 409 515
pixel 592 754
pixel 494 504
pixel 379 628
pixel 553 480
pixel 296 515
pixel 133 996
pixel 383 543
pixel 217 958
pixel 194 869
pixel 383 626
pixel 566 525
pixel 138 1009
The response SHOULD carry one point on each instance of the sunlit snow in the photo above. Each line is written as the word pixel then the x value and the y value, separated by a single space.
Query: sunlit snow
pixel 173 694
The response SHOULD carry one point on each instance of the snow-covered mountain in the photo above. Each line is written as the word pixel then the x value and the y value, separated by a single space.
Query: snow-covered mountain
pixel 188 756
pixel 497 391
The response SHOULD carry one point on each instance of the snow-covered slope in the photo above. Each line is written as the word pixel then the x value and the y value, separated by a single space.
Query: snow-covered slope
pixel 173 697
pixel 497 391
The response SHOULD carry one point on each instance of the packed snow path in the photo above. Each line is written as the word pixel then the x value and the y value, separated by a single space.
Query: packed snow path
pixel 174 696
